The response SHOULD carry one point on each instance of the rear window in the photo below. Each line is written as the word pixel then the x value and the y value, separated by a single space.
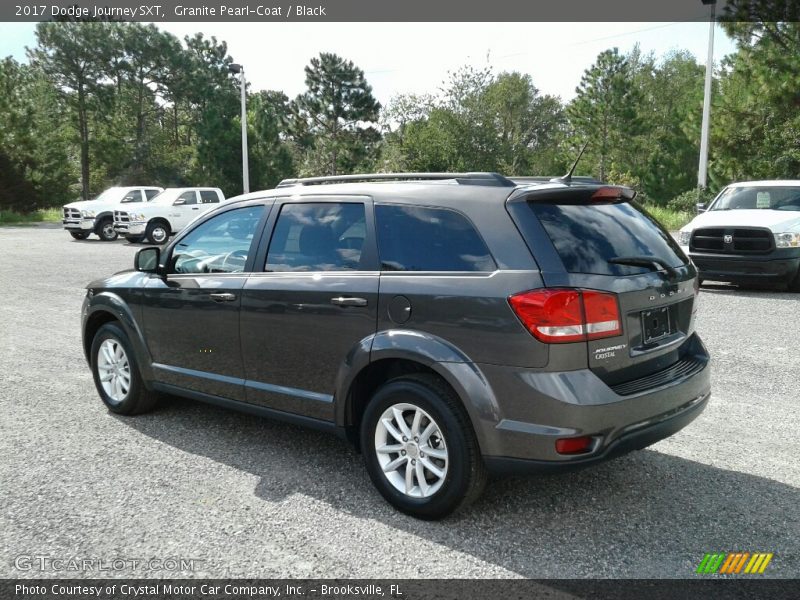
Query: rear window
pixel 586 236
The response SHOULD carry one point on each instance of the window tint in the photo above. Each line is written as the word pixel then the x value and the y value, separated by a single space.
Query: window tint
pixel 318 237
pixel 586 236
pixel 188 197
pixel 220 245
pixel 414 238
pixel 208 197
pixel 151 194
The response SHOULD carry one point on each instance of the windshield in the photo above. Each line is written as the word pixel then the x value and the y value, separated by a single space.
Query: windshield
pixel 113 193
pixel 757 198
pixel 167 196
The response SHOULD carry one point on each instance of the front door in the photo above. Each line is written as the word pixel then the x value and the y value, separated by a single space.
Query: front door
pixel 315 299
pixel 185 208
pixel 191 316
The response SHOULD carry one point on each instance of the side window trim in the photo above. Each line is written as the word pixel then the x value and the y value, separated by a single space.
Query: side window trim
pixel 369 253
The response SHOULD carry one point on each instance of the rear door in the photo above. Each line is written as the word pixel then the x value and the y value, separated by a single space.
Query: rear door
pixel 314 301
pixel 592 239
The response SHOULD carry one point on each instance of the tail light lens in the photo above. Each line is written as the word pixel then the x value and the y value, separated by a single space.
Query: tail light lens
pixel 561 315
pixel 577 445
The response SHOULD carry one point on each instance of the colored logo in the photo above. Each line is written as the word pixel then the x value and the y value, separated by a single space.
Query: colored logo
pixel 735 563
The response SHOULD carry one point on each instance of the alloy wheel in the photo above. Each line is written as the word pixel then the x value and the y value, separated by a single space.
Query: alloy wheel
pixel 114 370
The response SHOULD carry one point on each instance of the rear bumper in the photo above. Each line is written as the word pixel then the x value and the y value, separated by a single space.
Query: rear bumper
pixel 639 437
pixel 779 267
pixel 536 408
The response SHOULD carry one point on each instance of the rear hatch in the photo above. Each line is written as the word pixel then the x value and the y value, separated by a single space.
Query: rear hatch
pixel 597 238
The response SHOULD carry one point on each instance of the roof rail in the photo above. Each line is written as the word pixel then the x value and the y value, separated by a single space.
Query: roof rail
pixel 492 179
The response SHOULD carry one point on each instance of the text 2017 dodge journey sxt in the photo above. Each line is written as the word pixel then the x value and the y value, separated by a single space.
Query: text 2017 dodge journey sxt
pixel 449 325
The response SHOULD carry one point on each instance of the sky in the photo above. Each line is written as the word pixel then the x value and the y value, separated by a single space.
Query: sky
pixel 416 57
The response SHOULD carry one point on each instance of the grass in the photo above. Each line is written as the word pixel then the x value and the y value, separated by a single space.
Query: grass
pixel 48 215
pixel 672 220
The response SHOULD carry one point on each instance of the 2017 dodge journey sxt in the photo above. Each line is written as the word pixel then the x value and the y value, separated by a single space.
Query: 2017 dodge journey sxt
pixel 449 325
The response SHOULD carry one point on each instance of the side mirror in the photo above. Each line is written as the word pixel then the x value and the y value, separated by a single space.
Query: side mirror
pixel 178 202
pixel 147 259
pixel 701 207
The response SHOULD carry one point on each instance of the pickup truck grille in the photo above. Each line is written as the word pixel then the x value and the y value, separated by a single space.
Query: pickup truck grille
pixel 72 213
pixel 729 240
pixel 121 217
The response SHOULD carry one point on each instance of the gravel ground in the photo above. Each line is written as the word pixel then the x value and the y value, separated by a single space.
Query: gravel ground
pixel 247 497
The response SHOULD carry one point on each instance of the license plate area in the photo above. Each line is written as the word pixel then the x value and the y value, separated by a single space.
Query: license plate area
pixel 656 325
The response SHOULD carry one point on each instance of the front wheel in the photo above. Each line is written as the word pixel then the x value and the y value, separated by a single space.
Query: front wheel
pixel 79 235
pixel 105 230
pixel 116 374
pixel 157 233
pixel 420 449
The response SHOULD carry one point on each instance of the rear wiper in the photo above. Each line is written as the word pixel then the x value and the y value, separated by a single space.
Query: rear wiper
pixel 657 264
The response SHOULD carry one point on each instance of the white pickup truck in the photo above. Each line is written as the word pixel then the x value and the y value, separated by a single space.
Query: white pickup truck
pixel 749 234
pixel 167 213
pixel 86 217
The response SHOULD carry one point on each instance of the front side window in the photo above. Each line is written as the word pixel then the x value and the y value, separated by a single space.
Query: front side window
pixel 416 238
pixel 219 245
pixel 187 197
pixel 132 196
pixel 318 237
pixel 209 197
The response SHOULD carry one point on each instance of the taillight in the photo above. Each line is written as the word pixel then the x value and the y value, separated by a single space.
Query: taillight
pixel 577 445
pixel 561 315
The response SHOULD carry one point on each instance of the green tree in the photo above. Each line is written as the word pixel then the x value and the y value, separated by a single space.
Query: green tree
pixel 76 57
pixel 271 160
pixel 335 118
pixel 605 111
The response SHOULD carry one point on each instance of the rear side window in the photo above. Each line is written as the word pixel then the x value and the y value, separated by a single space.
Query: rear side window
pixel 151 194
pixel 318 237
pixel 586 236
pixel 416 238
pixel 208 197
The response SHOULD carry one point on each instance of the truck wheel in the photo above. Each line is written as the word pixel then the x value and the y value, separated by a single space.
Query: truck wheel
pixel 116 374
pixel 157 232
pixel 105 230
pixel 79 235
pixel 420 449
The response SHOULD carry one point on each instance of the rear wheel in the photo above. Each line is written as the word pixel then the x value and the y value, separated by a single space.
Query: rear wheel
pixel 105 230
pixel 79 235
pixel 157 232
pixel 420 449
pixel 116 374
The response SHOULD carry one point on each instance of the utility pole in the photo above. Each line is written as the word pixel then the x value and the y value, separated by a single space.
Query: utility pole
pixel 237 68
pixel 702 171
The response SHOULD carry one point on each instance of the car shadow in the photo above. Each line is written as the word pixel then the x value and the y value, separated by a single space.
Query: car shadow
pixel 646 514
pixel 749 291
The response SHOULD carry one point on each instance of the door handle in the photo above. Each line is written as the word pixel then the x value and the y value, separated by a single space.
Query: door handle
pixel 348 301
pixel 223 297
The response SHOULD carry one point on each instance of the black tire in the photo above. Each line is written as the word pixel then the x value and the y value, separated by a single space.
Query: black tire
pixel 79 235
pixel 134 239
pixel 138 399
pixel 465 477
pixel 794 284
pixel 157 232
pixel 105 230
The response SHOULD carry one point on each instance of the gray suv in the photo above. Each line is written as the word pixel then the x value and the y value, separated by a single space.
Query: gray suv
pixel 448 325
